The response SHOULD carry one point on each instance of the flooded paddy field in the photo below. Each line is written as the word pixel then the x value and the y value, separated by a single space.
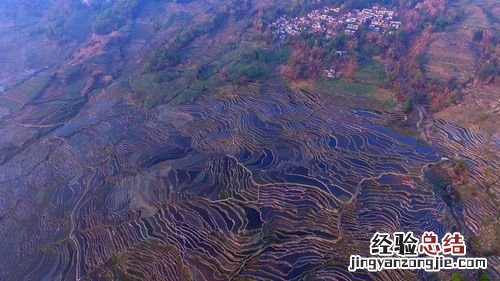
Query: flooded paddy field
pixel 176 146
pixel 271 182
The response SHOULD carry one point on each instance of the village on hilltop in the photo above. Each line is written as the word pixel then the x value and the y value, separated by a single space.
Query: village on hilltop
pixel 332 20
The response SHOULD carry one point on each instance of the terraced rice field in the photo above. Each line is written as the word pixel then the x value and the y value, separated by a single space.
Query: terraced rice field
pixel 109 173
pixel 134 181
pixel 269 183
pixel 471 144
pixel 444 64
pixel 452 54
pixel 17 97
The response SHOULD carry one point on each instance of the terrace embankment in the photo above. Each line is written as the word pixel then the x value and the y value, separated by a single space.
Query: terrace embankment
pixel 196 171
pixel 257 182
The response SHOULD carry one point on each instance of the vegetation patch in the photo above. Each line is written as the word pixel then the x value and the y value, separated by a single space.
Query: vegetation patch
pixel 257 64
pixel 355 88
pixel 18 96
pixel 370 71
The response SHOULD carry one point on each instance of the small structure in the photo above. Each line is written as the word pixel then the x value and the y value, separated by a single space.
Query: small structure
pixel 330 73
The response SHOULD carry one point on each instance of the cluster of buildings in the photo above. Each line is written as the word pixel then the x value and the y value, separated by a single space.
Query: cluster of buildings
pixel 331 20
pixel 330 73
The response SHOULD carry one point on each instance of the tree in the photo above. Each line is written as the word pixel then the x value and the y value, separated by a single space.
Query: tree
pixel 489 70
pixel 350 67
pixel 408 105
pixel 482 276
pixel 116 16
pixel 160 59
pixel 478 35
